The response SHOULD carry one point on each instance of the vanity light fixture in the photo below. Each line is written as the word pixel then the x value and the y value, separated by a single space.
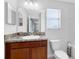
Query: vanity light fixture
pixel 31 4
pixel 26 3
pixel 36 4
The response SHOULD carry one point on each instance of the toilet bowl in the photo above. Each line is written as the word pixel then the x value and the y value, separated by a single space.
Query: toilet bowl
pixel 59 54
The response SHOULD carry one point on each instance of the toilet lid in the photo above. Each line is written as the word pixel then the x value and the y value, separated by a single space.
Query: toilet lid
pixel 61 54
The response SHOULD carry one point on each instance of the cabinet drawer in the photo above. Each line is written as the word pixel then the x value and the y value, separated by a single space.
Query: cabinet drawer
pixel 38 43
pixel 28 44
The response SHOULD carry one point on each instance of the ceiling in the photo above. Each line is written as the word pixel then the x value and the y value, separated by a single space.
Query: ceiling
pixel 69 1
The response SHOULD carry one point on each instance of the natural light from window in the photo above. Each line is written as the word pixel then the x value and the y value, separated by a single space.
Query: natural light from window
pixel 53 19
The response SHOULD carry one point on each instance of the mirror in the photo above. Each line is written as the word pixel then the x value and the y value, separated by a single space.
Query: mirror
pixel 29 19
pixel 24 20
pixel 33 22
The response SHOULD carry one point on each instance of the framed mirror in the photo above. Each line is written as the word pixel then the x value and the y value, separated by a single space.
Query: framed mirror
pixel 10 14
pixel 34 24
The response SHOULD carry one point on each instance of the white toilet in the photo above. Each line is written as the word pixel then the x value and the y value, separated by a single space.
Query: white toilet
pixel 59 54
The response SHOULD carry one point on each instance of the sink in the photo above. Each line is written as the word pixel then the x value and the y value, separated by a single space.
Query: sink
pixel 31 37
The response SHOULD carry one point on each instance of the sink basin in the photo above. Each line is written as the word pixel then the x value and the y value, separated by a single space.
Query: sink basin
pixel 31 37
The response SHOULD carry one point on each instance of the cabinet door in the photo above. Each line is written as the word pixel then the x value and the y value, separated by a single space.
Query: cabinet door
pixel 20 53
pixel 39 53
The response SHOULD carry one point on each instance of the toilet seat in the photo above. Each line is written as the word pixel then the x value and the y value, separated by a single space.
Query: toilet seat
pixel 61 54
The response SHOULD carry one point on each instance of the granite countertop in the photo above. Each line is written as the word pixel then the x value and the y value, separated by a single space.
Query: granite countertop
pixel 18 39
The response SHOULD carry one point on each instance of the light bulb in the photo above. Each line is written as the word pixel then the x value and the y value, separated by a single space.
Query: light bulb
pixel 36 5
pixel 26 3
pixel 31 5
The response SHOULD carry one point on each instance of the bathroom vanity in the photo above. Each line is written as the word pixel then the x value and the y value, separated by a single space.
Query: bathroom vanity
pixel 35 49
pixel 26 23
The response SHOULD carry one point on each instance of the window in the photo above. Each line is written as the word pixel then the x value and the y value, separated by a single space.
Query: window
pixel 53 19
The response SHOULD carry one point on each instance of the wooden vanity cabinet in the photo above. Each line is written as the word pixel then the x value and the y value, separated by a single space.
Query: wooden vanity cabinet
pixel 26 50
pixel 39 53
pixel 19 53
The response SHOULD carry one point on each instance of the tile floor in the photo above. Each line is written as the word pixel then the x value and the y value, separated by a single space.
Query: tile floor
pixel 57 58
pixel 71 58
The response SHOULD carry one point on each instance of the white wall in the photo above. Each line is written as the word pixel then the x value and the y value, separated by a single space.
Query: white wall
pixel 66 33
pixel 43 21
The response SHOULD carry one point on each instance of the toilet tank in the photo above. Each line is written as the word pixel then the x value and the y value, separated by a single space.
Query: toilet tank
pixel 58 45
pixel 55 44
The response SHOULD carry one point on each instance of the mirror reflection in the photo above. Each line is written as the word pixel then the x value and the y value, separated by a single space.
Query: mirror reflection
pixel 33 24
pixel 28 17
pixel 27 20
